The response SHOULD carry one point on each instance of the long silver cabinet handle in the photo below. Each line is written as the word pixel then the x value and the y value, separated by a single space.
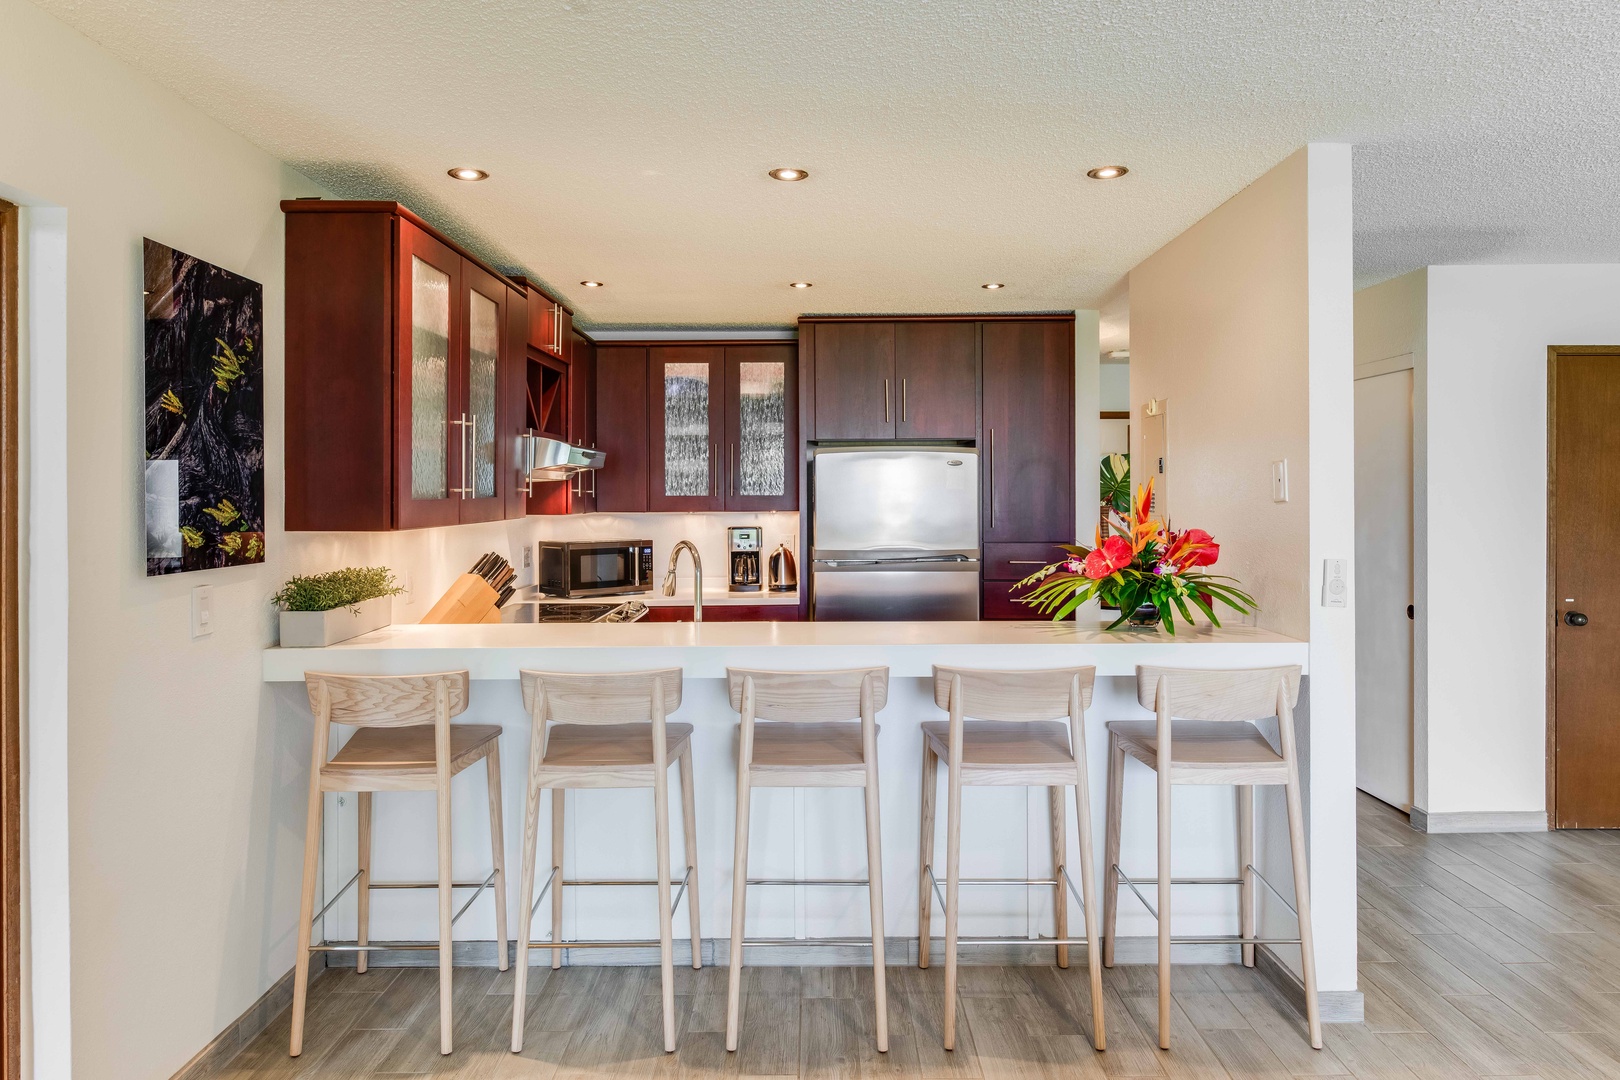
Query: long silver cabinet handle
pixel 904 411
pixel 992 456
pixel 888 416
pixel 462 423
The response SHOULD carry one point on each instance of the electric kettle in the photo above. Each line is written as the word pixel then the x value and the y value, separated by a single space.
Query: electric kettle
pixel 784 572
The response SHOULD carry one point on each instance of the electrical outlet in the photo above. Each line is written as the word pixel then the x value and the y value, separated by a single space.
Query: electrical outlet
pixel 1279 481
pixel 1335 586
pixel 202 611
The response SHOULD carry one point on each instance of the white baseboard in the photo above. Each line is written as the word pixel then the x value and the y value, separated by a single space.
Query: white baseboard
pixel 1479 821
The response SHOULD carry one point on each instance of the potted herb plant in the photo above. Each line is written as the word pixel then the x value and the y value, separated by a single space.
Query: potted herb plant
pixel 1147 570
pixel 320 609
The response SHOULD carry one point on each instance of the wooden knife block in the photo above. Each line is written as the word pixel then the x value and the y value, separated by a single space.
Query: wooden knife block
pixel 470 599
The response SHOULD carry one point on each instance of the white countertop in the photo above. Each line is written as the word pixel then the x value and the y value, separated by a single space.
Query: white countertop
pixel 705 650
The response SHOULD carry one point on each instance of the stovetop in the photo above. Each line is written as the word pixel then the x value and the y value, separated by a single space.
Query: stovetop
pixel 630 611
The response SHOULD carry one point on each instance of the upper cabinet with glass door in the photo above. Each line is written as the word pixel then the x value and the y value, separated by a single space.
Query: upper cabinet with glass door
pixel 399 357
pixel 762 427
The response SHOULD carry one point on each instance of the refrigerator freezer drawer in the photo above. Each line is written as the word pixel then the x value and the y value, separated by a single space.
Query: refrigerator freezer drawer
pixel 910 595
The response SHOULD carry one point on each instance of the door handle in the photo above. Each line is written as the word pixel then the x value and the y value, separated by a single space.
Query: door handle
pixel 888 415
pixel 732 469
pixel 991 461
pixel 465 457
pixel 1410 612
pixel 1574 618
pixel 904 412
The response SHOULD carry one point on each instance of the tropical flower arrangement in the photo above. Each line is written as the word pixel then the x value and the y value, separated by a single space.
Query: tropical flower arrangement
pixel 1145 565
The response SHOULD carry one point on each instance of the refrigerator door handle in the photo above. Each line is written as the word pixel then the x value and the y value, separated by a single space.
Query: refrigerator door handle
pixel 908 561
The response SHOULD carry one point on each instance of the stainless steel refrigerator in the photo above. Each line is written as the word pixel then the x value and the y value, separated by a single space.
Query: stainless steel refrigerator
pixel 894 533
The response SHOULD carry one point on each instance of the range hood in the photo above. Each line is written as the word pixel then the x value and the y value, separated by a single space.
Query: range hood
pixel 553 459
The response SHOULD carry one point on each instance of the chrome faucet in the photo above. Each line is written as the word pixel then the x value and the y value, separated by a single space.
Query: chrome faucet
pixel 697 576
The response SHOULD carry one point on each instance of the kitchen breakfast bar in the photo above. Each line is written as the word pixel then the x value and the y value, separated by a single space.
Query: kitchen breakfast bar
pixel 796 833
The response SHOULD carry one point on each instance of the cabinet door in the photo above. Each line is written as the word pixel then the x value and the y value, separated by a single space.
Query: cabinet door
pixel 621 429
pixel 1028 442
pixel 855 391
pixel 582 416
pixel 428 447
pixel 686 406
pixel 542 322
pixel 483 306
pixel 514 407
pixel 937 367
pixel 762 428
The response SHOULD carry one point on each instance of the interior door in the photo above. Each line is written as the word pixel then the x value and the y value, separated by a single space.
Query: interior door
pixel 427 406
pixel 855 388
pixel 1584 400
pixel 686 405
pixel 1384 587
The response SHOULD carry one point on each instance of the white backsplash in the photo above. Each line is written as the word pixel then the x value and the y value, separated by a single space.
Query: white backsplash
pixel 426 561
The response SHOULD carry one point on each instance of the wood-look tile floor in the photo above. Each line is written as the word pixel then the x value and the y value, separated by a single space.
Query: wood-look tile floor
pixel 1481 955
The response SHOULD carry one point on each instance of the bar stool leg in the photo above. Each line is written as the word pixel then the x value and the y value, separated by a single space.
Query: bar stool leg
pixel 558 800
pixel 874 873
pixel 497 843
pixel 953 874
pixel 1246 893
pixel 689 827
pixel 531 837
pixel 1088 891
pixel 446 959
pixel 1163 775
pixel 1060 853
pixel 306 908
pixel 363 930
pixel 1116 799
pixel 739 902
pixel 666 929
pixel 1302 903
pixel 925 861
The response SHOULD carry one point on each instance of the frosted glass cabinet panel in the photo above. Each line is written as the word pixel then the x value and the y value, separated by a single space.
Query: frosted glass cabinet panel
pixel 430 379
pixel 688 393
pixel 762 427
pixel 483 374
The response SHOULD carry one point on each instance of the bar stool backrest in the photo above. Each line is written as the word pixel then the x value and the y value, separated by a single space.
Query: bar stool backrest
pixel 1015 696
pixel 619 697
pixel 1230 694
pixel 386 700
pixel 809 697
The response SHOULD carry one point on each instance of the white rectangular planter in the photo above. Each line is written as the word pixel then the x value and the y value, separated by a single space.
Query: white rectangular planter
pixel 316 629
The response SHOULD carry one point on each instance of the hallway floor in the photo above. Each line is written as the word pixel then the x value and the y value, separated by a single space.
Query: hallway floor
pixel 1481 955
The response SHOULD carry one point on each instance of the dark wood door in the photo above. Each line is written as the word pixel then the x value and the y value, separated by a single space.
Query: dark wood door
pixel 761 447
pixel 1027 448
pixel 855 386
pixel 479 368
pixel 429 312
pixel 1584 399
pixel 686 413
pixel 937 368
pixel 621 428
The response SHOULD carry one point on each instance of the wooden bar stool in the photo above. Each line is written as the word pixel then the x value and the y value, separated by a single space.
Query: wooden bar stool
pixel 1012 739
pixel 404 742
pixel 605 731
pixel 809 740
pixel 1205 730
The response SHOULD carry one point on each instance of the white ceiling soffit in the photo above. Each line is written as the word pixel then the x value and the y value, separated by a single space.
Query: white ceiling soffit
pixel 947 141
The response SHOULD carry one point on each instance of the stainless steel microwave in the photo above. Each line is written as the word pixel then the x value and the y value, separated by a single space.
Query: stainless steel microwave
pixel 594 567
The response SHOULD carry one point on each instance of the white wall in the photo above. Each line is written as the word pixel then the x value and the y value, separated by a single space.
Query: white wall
pixel 1244 323
pixel 1489 328
pixel 1114 386
pixel 163 823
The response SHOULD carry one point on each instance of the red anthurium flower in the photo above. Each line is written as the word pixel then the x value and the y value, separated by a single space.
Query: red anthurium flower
pixel 1115 554
pixel 1190 548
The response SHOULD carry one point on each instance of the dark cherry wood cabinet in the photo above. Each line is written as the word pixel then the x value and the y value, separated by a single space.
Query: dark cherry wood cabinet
pixel 686 407
pixel 761 446
pixel 936 367
pixel 728 613
pixel 621 428
pixel 400 349
pixel 854 381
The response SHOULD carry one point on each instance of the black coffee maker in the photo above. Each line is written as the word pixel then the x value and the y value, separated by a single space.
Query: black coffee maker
pixel 745 542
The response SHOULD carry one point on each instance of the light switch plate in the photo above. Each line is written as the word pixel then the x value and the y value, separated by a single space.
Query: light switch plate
pixel 202 611
pixel 1279 481
pixel 1335 585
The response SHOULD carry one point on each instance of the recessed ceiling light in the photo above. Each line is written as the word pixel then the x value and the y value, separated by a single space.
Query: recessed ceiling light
pixel 591 284
pixel 993 285
pixel 799 284
pixel 788 174
pixel 1107 172
pixel 466 173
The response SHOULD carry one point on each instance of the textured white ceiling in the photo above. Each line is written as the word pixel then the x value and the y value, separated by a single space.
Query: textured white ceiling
pixel 947 139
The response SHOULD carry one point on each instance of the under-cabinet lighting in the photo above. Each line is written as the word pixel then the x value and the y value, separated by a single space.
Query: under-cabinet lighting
pixel 1107 172
pixel 467 173
pixel 788 174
